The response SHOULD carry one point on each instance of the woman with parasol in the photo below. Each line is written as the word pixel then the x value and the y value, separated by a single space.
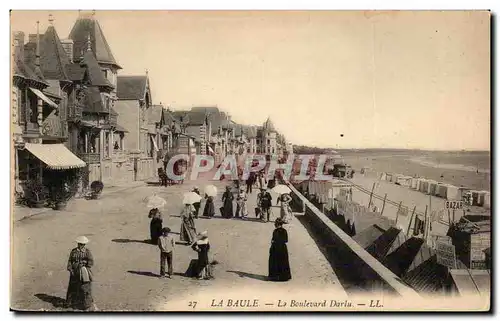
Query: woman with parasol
pixel 156 224
pixel 188 228
pixel 202 246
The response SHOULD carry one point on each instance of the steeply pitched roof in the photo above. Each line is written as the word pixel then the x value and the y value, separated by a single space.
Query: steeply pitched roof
pixel 53 58
pixel 196 118
pixel 251 131
pixel 131 87
pixel 155 114
pixel 269 126
pixel 21 69
pixel 210 109
pixel 88 66
pixel 30 63
pixel 84 27
pixel 93 103
pixel 168 118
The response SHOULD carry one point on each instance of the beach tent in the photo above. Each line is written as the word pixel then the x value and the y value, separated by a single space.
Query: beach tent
pixel 414 183
pixel 431 189
pixel 383 176
pixel 480 197
pixel 453 193
pixel 419 181
pixel 404 180
pixel 441 190
pixel 424 186
pixel 487 200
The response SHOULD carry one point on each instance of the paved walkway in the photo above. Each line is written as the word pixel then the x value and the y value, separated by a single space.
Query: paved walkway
pixel 126 267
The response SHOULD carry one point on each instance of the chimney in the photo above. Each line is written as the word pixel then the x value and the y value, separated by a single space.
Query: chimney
pixel 68 48
pixel 19 45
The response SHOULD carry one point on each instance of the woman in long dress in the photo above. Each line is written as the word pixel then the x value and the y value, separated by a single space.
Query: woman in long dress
pixel 202 246
pixel 209 209
pixel 227 199
pixel 286 211
pixel 279 265
pixel 80 262
pixel 155 225
pixel 188 229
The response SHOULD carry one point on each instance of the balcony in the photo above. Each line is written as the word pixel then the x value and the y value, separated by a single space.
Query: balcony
pixel 75 112
pixel 54 127
pixel 90 158
pixel 31 129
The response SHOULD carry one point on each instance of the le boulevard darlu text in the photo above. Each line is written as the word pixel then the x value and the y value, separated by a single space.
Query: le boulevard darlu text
pixel 256 303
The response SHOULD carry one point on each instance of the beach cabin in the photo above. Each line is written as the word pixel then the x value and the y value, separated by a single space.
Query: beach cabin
pixel 432 187
pixel 441 190
pixel 383 176
pixel 424 185
pixel 403 180
pixel 388 177
pixel 414 183
pixel 487 200
pixel 453 193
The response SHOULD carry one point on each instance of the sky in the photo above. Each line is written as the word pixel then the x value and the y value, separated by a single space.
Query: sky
pixel 411 79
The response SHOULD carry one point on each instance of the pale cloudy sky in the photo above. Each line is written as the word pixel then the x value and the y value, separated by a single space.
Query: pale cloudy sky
pixel 393 79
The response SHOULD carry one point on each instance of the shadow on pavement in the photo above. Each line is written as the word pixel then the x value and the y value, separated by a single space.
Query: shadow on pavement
pixel 249 275
pixel 131 241
pixel 57 302
pixel 145 273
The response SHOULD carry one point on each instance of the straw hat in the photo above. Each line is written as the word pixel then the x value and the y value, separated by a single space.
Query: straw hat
pixel 82 240
pixel 203 235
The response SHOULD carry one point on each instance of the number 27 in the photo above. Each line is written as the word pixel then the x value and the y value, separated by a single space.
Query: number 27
pixel 192 304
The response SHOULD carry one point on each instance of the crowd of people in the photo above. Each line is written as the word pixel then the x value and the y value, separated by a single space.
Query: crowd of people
pixel 80 262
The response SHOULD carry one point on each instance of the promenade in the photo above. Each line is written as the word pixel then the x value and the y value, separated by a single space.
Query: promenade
pixel 126 267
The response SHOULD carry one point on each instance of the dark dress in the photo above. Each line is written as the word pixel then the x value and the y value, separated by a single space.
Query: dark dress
pixel 79 295
pixel 279 266
pixel 209 209
pixel 196 205
pixel 271 183
pixel 202 247
pixel 155 228
pixel 227 208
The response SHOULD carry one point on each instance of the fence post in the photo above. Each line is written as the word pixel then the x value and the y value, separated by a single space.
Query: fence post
pixel 411 218
pixel 371 195
pixel 383 205
pixel 397 213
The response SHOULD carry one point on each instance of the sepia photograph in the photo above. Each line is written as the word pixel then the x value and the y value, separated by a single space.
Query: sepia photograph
pixel 258 161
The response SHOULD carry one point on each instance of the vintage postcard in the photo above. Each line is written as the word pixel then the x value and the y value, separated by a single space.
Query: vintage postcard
pixel 250 161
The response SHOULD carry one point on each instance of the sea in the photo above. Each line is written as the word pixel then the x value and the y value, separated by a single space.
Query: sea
pixel 470 169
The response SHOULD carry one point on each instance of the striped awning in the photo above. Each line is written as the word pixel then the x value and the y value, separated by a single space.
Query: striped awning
pixel 55 156
pixel 42 96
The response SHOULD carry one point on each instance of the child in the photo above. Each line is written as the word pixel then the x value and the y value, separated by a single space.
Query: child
pixel 166 244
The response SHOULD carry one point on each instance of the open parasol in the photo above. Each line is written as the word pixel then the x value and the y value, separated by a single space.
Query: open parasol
pixel 191 198
pixel 211 190
pixel 155 201
pixel 281 189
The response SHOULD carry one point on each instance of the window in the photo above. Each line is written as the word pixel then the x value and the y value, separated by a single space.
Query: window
pixel 105 73
pixel 22 106
pixel 33 108
pixel 268 141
